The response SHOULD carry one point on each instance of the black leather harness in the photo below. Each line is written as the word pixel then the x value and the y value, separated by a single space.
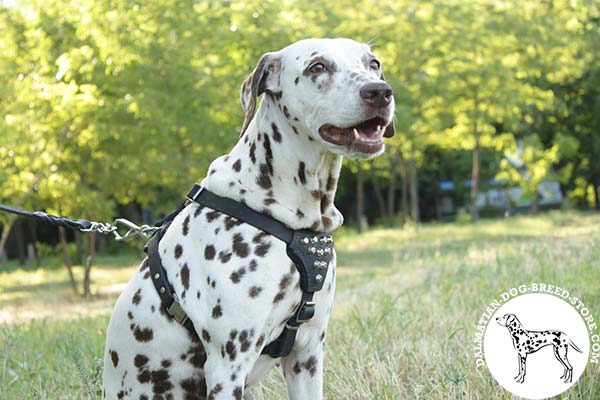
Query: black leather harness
pixel 310 251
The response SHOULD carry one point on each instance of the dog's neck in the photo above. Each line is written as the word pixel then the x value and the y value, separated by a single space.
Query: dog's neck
pixel 277 170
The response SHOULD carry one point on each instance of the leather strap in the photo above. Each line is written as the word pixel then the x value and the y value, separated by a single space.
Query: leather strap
pixel 310 251
pixel 240 211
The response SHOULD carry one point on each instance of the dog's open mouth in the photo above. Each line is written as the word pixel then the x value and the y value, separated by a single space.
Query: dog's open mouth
pixel 364 137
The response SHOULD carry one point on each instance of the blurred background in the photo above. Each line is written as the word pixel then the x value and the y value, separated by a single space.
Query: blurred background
pixel 114 108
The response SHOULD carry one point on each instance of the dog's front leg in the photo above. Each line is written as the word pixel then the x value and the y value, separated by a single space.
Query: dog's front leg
pixel 226 375
pixel 303 371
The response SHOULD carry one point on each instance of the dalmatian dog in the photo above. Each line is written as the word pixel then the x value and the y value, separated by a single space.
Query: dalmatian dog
pixel 322 99
pixel 528 342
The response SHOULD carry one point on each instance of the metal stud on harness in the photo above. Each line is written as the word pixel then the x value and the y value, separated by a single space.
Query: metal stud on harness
pixel 310 251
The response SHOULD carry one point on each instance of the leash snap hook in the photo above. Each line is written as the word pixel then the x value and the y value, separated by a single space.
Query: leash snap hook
pixel 133 230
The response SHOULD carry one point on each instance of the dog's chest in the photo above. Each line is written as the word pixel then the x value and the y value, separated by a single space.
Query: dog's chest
pixel 230 276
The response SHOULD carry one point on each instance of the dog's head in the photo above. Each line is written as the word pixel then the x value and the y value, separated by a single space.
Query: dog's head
pixel 508 320
pixel 332 90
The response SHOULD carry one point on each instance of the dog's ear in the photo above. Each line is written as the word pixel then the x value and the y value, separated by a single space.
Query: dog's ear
pixel 261 80
pixel 390 130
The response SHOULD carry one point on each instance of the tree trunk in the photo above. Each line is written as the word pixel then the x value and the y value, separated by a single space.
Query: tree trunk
pixel 405 187
pixel 91 252
pixel 378 195
pixel 414 192
pixel 414 187
pixel 5 231
pixel 596 196
pixel 360 199
pixel 535 203
pixel 32 231
pixel 62 235
pixel 391 196
pixel 475 181
pixel 20 242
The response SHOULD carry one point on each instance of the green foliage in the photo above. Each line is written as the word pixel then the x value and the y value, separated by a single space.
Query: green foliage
pixel 104 103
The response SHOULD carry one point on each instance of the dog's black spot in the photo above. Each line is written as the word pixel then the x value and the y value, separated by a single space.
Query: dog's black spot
pixel 240 248
pixel 198 211
pixel 262 249
pixel 129 315
pixel 186 225
pixel 140 360
pixel 211 216
pixel 286 112
pixel 205 335
pixel 260 341
pixel 254 291
pixel 237 165
pixel 137 297
pixel 253 265
pixel 185 277
pixel 161 383
pixel 253 153
pixel 230 222
pixel 217 312
pixel 302 172
pixel 245 342
pixel 209 252
pixel 215 391
pixel 231 350
pixel 276 133
pixel 114 356
pixel 178 251
pixel 299 214
pixel 296 80
pixel 269 200
pixel 192 388
pixel 263 180
pixel 294 129
pixel 142 334
pixel 278 297
pixel 236 276
pixel 311 366
pixel 237 393
pixel 224 256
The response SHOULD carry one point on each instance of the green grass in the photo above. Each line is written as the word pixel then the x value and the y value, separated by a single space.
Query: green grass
pixel 402 326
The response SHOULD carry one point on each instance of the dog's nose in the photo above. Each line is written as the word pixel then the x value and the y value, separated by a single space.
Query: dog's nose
pixel 376 94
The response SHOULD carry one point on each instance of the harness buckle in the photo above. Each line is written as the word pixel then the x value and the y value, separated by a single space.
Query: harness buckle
pixel 195 192
pixel 177 312
pixel 305 312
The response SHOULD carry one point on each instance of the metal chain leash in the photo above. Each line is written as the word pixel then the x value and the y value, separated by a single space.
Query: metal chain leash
pixel 145 231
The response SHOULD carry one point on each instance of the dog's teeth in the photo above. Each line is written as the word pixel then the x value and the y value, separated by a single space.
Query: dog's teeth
pixel 378 128
pixel 356 135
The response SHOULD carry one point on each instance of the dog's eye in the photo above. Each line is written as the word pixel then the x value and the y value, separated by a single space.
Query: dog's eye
pixel 317 68
pixel 375 65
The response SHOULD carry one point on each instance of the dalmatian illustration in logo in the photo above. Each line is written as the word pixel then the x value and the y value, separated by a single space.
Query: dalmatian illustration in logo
pixel 528 342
